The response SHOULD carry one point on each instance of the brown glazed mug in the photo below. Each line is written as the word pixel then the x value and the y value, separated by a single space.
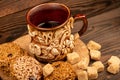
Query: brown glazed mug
pixel 49 26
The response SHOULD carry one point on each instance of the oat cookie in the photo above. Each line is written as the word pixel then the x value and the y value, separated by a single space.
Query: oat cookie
pixel 26 68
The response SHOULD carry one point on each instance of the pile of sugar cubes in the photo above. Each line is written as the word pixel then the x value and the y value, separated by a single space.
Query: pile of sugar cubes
pixel 97 66
pixel 95 54
pixel 86 72
pixel 113 62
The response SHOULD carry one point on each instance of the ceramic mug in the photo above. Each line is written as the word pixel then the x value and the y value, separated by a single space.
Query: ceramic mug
pixel 49 26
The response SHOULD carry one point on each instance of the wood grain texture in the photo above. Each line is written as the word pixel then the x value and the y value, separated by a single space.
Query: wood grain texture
pixel 103 17
pixel 13 12
pixel 12 6
pixel 105 29
pixel 76 6
pixel 11 23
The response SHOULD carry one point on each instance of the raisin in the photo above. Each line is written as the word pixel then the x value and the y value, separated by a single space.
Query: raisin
pixel 9 55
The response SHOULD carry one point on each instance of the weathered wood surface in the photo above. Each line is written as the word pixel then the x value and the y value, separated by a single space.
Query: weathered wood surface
pixel 105 29
pixel 13 12
pixel 103 17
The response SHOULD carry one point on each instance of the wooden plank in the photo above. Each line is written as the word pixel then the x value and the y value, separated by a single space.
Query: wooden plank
pixel 105 29
pixel 12 6
pixel 77 6
pixel 14 25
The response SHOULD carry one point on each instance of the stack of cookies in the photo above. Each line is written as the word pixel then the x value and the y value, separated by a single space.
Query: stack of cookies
pixel 16 64
pixel 8 52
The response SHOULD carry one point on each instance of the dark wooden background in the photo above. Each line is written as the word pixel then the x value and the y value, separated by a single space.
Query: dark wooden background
pixel 103 17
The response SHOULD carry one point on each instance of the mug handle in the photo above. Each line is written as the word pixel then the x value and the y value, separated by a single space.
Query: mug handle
pixel 85 23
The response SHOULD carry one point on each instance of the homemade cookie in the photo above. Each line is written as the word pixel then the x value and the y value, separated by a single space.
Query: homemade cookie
pixel 26 68
pixel 8 52
pixel 62 71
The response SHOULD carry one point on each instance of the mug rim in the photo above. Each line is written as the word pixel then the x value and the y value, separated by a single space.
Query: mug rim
pixel 47 29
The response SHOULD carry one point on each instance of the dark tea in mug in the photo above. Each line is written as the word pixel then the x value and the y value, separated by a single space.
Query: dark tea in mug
pixel 48 24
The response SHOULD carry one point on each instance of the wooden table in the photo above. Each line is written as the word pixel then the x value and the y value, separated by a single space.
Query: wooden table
pixel 103 17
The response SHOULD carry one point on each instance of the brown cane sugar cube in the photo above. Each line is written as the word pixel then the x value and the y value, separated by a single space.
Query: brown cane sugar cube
pixel 92 72
pixel 98 65
pixel 113 68
pixel 79 65
pixel 92 45
pixel 82 75
pixel 82 65
pixel 75 67
pixel 95 54
pixel 73 57
pixel 47 69
pixel 114 59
